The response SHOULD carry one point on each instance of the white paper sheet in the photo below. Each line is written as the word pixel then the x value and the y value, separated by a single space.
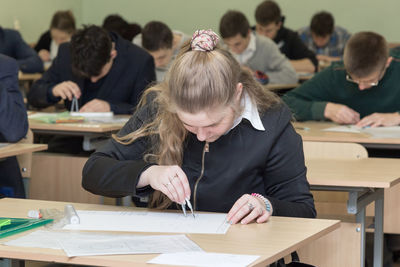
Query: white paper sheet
pixel 376 132
pixel 160 222
pixel 204 259
pixel 93 114
pixel 87 244
pixel 344 129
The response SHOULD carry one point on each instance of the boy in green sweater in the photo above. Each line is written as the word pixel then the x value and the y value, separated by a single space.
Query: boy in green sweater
pixel 364 89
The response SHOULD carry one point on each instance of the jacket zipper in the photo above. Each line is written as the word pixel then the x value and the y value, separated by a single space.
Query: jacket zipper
pixel 205 149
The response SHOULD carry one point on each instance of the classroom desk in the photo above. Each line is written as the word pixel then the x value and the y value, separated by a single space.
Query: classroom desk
pixel 312 131
pixel 62 173
pixel 272 241
pixel 17 149
pixel 365 181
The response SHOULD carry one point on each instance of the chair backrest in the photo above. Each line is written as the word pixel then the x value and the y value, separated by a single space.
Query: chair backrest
pixel 334 150
pixel 25 160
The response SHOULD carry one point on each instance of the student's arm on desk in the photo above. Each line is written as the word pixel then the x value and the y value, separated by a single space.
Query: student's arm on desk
pixel 28 60
pixel 308 101
pixel 285 173
pixel 13 116
pixel 114 169
pixel 303 65
pixel 280 70
pixel 380 119
pixel 40 94
pixel 303 59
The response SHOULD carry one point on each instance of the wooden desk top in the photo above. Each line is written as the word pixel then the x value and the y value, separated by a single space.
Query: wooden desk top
pixel 367 172
pixel 312 131
pixel 272 241
pixel 29 76
pixel 18 149
pixel 84 127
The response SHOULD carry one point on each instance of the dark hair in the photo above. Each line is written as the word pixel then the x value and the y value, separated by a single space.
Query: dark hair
pixel 63 21
pixel 233 23
pixel 268 12
pixel 365 53
pixel 115 23
pixel 156 35
pixel 133 30
pixel 90 50
pixel 322 23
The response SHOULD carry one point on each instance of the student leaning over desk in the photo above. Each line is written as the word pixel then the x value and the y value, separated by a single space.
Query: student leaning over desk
pixel 13 126
pixel 363 89
pixel 211 134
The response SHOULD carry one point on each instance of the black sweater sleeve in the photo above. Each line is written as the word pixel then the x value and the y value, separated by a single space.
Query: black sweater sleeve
pixel 114 169
pixel 286 185
pixel 44 42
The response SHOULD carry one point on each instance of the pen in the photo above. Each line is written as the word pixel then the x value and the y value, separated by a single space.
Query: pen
pixel 184 208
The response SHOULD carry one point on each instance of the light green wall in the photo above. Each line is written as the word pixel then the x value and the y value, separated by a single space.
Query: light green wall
pixel 188 15
pixel 34 15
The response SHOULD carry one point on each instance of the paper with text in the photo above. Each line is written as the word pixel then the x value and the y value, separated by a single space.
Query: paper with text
pixel 375 132
pixel 88 244
pixel 160 222
pixel 204 259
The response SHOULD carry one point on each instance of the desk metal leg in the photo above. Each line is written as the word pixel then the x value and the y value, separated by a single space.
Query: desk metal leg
pixel 360 218
pixel 378 234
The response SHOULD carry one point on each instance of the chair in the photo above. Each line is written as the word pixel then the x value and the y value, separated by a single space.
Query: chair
pixel 25 162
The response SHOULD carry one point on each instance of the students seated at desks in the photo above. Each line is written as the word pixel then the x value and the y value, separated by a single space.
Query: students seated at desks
pixel 362 90
pixel 188 140
pixel 102 70
pixel 115 23
pixel 12 45
pixel 324 38
pixel 62 27
pixel 269 23
pixel 162 43
pixel 258 53
pixel 13 126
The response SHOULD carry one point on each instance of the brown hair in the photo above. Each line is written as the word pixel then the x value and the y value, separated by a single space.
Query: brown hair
pixel 156 35
pixel 322 24
pixel 365 53
pixel 196 81
pixel 268 12
pixel 233 23
pixel 63 21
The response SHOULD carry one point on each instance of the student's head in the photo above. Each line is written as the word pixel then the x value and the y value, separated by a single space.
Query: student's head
pixel 366 57
pixel 62 26
pixel 322 26
pixel 115 23
pixel 92 53
pixel 201 95
pixel 268 19
pixel 157 39
pixel 235 30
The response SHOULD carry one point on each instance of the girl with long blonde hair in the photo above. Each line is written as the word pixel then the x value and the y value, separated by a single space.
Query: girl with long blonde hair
pixel 211 135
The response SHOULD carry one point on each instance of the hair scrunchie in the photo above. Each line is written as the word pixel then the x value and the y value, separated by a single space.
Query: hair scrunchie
pixel 204 40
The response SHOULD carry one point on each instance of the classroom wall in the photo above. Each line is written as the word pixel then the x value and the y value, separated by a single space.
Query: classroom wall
pixel 188 15
pixel 33 17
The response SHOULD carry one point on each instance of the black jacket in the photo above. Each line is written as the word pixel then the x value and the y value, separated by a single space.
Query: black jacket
pixel 13 125
pixel 12 45
pixel 243 161
pixel 44 42
pixel 131 71
pixel 292 47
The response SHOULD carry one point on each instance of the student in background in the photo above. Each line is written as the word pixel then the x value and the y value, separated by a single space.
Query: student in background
pixel 269 23
pixel 102 70
pixel 13 126
pixel 210 133
pixel 256 52
pixel 62 27
pixel 162 43
pixel 12 45
pixel 115 23
pixel 324 38
pixel 362 90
